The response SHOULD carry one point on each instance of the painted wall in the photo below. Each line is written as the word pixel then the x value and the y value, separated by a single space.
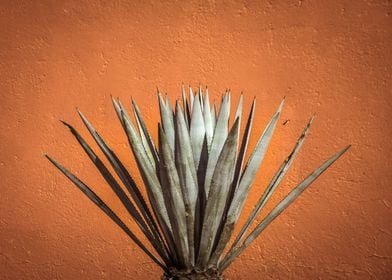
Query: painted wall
pixel 332 58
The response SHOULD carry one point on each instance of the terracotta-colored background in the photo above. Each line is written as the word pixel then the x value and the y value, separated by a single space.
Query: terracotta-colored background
pixel 329 57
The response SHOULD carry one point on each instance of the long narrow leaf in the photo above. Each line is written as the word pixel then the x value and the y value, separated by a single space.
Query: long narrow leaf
pixel 216 203
pixel 159 247
pixel 186 106
pixel 247 178
pixel 227 225
pixel 188 178
pixel 197 131
pixel 207 119
pixel 191 100
pixel 123 174
pixel 167 121
pixel 213 116
pixel 169 109
pixel 244 145
pixel 200 95
pixel 273 184
pixel 151 181
pixel 174 198
pixel 238 112
pixel 153 191
pixel 220 135
pixel 97 201
pixel 145 136
pixel 281 207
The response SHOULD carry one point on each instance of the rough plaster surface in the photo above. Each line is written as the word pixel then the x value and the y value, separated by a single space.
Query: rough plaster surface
pixel 329 57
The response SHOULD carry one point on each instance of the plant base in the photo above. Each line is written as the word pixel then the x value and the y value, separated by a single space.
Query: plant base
pixel 174 274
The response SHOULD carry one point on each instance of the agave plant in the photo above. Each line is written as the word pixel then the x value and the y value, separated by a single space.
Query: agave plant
pixel 196 182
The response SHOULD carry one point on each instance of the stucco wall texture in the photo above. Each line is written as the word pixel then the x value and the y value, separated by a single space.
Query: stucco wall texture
pixel 332 58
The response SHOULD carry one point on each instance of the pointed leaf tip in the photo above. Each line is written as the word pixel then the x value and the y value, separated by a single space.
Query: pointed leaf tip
pixel 281 105
pixel 280 207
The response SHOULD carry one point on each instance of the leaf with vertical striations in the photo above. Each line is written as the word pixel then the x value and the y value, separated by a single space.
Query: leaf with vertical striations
pixel 122 107
pixel 218 141
pixel 201 98
pixel 216 203
pixel 238 112
pixel 117 109
pixel 145 136
pixel 186 107
pixel 169 109
pixel 256 159
pixel 174 198
pixel 97 201
pixel 149 177
pixel 272 185
pixel 197 131
pixel 167 121
pixel 127 203
pixel 207 119
pixel 187 175
pixel 244 145
pixel 191 100
pixel 283 204
pixel 227 227
pixel 121 171
pixel 213 116
pixel 246 181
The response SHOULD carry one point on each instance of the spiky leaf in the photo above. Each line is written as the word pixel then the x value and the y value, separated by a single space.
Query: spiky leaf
pixel 246 181
pixel 197 130
pixel 273 184
pixel 216 203
pixel 188 178
pixel 122 173
pixel 102 205
pixel 173 198
pixel 167 121
pixel 112 182
pixel 280 208
pixel 145 136
pixel 220 135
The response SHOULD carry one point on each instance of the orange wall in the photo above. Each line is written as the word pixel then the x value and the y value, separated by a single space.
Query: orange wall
pixel 329 57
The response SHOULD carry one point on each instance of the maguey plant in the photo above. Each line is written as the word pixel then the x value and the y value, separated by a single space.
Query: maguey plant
pixel 196 181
